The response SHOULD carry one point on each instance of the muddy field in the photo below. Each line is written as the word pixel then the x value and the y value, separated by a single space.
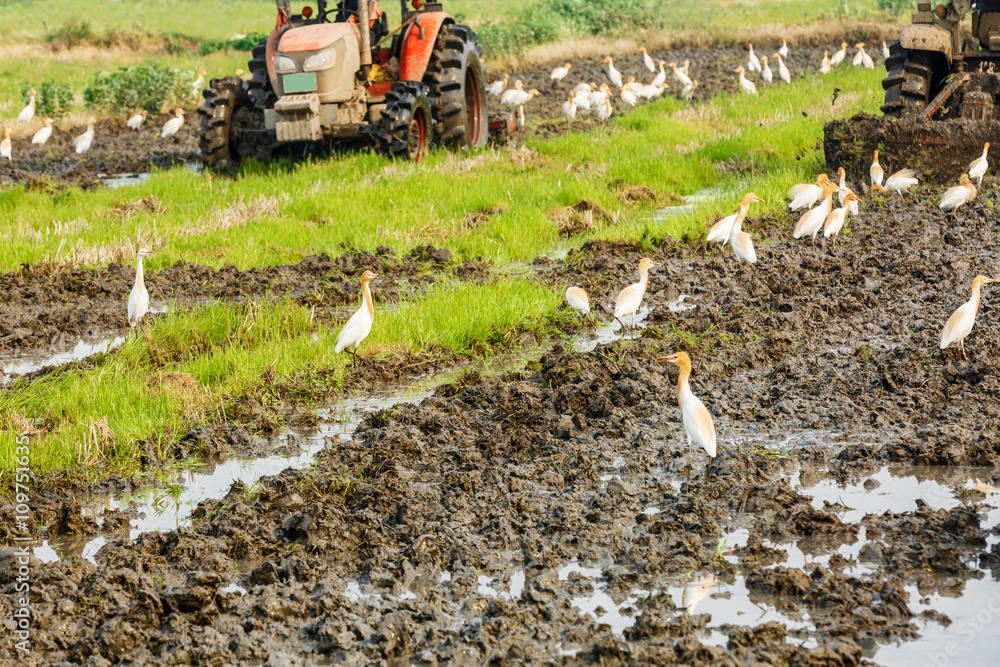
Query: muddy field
pixel 548 516
pixel 118 150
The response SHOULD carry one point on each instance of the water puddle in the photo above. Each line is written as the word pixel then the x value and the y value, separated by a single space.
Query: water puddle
pixel 34 360
pixel 161 508
pixel 123 180
pixel 58 355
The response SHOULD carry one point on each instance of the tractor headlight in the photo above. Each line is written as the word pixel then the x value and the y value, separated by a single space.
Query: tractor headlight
pixel 285 65
pixel 319 61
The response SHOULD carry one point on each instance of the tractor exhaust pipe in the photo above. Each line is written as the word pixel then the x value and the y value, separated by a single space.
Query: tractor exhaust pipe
pixel 366 39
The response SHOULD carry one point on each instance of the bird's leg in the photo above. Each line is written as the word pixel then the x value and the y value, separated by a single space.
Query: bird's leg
pixel 961 346
pixel 354 355
pixel 620 322
pixel 690 459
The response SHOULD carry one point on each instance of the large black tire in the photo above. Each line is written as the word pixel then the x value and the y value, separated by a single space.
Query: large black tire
pixel 455 77
pixel 215 146
pixel 908 81
pixel 405 128
pixel 261 90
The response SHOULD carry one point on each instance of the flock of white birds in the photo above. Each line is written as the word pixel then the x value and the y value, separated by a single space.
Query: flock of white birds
pixel 83 142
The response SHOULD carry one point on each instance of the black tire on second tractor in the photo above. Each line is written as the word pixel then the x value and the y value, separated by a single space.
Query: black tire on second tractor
pixel 907 83
pixel 216 149
pixel 405 128
pixel 457 89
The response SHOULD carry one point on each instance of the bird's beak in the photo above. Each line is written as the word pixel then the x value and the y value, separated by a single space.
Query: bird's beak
pixel 657 263
pixel 672 357
pixel 758 199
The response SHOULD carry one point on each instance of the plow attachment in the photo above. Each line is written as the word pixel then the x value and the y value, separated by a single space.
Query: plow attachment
pixel 940 150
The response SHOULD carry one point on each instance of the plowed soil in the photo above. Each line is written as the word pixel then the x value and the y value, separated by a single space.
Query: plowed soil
pixel 442 532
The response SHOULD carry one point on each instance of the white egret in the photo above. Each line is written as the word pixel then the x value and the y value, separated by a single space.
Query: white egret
pixel 171 127
pixel 136 121
pixel 577 300
pixel 569 108
pixel 838 56
pixel 43 134
pixel 85 140
pixel 613 74
pixel 960 324
pixel 956 196
pixel 630 298
pixel 698 425
pixel 835 221
pixel 765 70
pixel 742 243
pixel 876 172
pixel 28 112
pixel 812 220
pixel 746 85
pixel 753 63
pixel 979 166
pixel 498 86
pixel 360 324
pixel 783 72
pixel 559 73
pixel 807 194
pixel 647 61
pixel 138 298
pixel 660 77
pixel 5 147
pixel 784 48
pixel 900 182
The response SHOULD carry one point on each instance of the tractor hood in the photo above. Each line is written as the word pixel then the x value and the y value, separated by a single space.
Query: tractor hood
pixel 314 37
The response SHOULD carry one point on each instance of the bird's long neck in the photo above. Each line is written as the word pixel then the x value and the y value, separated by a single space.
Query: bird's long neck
pixel 741 214
pixel 683 387
pixel 368 299
pixel 975 297
pixel 643 278
pixel 972 189
pixel 139 275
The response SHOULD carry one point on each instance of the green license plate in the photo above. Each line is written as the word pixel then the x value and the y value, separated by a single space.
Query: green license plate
pixel 299 83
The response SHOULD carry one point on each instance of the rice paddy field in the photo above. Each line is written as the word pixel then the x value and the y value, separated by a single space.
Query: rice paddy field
pixel 498 479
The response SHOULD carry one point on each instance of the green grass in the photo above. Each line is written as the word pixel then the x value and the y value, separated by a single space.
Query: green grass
pixel 191 365
pixel 361 200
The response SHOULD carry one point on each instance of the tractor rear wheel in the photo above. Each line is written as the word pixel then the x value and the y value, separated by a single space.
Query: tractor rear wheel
pixel 224 98
pixel 907 83
pixel 405 128
pixel 457 91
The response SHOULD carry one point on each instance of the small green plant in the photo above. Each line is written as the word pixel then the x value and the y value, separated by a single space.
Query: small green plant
pixel 720 550
pixel 147 87
pixel 52 100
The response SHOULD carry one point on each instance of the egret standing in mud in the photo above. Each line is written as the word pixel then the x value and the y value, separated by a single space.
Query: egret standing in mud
pixel 136 121
pixel 746 85
pixel 613 73
pixel 360 324
pixel 722 230
pixel 44 133
pixel 959 325
pixel 647 60
pixel 812 220
pixel 838 56
pixel 85 140
pixel 900 182
pixel 957 195
pixel 697 420
pixel 578 300
pixel 138 299
pixel 835 221
pixel 630 298
pixel 978 167
pixel 740 241
pixel 172 126
pixel 807 194
pixel 559 73
pixel 28 112
pixel 876 172
pixel 498 86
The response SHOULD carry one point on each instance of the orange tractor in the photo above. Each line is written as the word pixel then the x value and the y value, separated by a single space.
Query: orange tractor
pixel 321 77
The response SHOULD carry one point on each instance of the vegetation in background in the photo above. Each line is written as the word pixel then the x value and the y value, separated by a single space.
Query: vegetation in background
pixel 146 87
pixel 244 43
pixel 52 100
